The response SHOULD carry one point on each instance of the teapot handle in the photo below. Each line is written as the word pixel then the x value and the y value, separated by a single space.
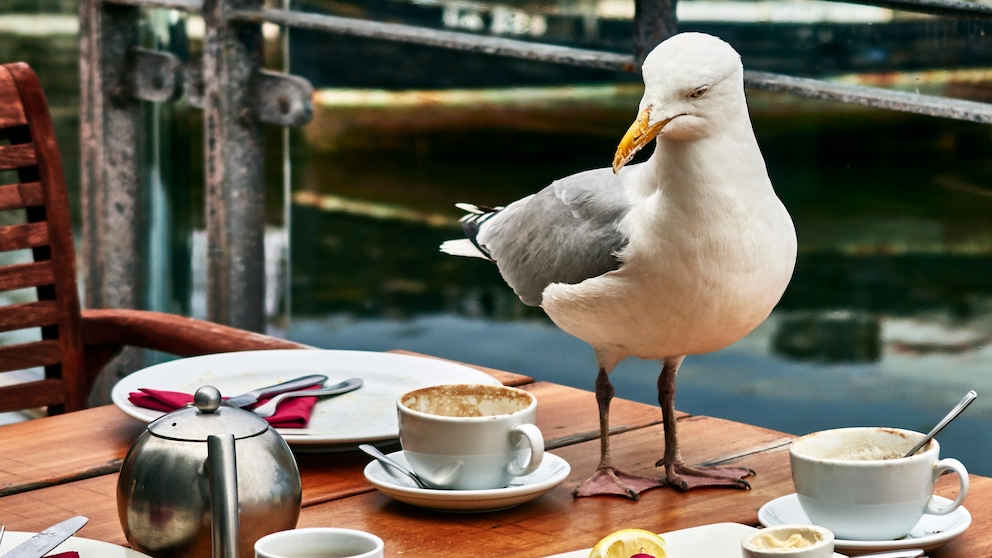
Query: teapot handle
pixel 222 465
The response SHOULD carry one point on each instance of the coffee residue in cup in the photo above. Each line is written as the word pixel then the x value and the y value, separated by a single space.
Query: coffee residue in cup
pixel 467 400
pixel 871 453
pixel 865 446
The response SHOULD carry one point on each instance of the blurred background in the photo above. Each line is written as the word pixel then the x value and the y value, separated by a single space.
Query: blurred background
pixel 887 320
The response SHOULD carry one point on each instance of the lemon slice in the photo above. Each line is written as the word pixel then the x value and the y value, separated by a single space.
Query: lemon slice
pixel 627 543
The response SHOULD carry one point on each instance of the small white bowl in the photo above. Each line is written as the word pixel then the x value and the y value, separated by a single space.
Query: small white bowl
pixel 319 541
pixel 780 542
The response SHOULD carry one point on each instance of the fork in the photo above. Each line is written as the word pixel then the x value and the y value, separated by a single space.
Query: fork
pixel 270 407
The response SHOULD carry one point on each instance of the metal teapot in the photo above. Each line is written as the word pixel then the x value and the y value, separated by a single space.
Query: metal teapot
pixel 207 480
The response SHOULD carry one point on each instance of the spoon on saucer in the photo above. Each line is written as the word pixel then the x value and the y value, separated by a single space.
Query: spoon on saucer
pixel 385 459
pixel 957 410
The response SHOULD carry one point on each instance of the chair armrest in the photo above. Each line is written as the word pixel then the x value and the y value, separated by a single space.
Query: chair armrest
pixel 171 333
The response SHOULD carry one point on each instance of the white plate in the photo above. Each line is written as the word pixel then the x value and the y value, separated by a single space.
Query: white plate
pixel 717 540
pixel 86 548
pixel 338 423
pixel 932 530
pixel 552 472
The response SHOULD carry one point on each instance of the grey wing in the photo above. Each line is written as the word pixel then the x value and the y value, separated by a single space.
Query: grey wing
pixel 566 233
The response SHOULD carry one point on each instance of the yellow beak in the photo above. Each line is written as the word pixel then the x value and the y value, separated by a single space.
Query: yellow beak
pixel 638 135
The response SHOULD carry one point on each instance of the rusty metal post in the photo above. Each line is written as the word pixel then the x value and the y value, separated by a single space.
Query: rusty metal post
pixel 109 119
pixel 654 21
pixel 234 152
pixel 114 245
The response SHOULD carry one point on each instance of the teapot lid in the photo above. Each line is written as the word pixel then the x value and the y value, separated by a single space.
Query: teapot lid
pixel 205 417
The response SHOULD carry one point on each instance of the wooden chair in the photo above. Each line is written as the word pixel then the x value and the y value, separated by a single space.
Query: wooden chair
pixel 39 294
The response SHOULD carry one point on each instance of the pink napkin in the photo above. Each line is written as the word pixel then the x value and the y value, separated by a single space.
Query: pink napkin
pixel 292 413
pixel 63 555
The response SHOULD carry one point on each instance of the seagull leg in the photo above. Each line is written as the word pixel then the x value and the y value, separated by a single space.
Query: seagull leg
pixel 677 473
pixel 607 480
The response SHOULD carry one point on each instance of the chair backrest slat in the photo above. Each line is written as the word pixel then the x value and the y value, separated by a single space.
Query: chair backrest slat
pixel 29 314
pixel 39 353
pixel 17 156
pixel 37 257
pixel 20 196
pixel 32 394
pixel 26 235
pixel 22 276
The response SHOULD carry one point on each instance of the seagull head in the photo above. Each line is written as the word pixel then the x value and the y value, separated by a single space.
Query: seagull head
pixel 693 82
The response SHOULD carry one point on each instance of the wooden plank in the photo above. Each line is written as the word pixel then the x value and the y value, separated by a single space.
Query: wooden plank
pixel 32 395
pixel 66 447
pixel 29 314
pixel 17 156
pixel 27 235
pixel 567 415
pixel 11 111
pixel 16 196
pixel 95 497
pixel 24 275
pixel 29 355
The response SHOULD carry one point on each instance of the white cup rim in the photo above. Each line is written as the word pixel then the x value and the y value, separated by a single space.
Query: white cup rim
pixel 377 543
pixel 446 418
pixel 932 447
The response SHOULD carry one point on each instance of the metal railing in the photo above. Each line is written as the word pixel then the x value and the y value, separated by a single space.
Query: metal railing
pixel 237 96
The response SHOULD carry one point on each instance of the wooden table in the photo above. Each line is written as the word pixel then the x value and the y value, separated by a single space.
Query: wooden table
pixel 55 467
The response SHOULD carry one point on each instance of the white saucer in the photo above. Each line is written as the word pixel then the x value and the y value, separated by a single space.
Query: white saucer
pixel 932 530
pixel 552 472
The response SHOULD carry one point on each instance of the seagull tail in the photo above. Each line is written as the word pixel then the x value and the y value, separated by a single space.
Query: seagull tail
pixel 462 247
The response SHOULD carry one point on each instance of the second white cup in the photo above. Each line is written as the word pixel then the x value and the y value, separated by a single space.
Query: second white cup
pixel 470 436
pixel 856 482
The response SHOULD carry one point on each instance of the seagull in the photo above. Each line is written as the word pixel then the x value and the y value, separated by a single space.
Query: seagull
pixel 682 254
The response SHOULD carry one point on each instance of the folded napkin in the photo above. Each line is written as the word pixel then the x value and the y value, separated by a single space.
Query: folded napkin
pixel 63 555
pixel 292 413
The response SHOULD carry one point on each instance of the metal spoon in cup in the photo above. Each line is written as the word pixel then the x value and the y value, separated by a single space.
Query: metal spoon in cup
pixel 957 410
pixel 269 408
pixel 385 459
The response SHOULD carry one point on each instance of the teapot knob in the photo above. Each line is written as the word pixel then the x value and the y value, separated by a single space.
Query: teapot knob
pixel 207 399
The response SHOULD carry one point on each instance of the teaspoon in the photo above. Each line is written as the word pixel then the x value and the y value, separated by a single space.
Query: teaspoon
pixel 968 398
pixel 383 458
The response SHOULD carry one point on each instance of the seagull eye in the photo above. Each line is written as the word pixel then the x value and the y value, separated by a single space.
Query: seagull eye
pixel 699 92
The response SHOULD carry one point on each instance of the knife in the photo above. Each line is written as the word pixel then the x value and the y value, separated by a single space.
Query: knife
pixel 252 397
pixel 40 544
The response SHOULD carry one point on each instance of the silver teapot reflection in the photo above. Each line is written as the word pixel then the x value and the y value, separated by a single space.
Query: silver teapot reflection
pixel 207 480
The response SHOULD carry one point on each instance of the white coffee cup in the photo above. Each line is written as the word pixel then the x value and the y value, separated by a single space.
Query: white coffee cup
pixel 470 436
pixel 856 482
pixel 319 542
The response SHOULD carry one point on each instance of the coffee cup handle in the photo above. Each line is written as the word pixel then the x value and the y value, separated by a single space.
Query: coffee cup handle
pixel 535 440
pixel 941 467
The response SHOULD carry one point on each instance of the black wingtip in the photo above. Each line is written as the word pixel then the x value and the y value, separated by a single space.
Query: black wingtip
pixel 472 223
